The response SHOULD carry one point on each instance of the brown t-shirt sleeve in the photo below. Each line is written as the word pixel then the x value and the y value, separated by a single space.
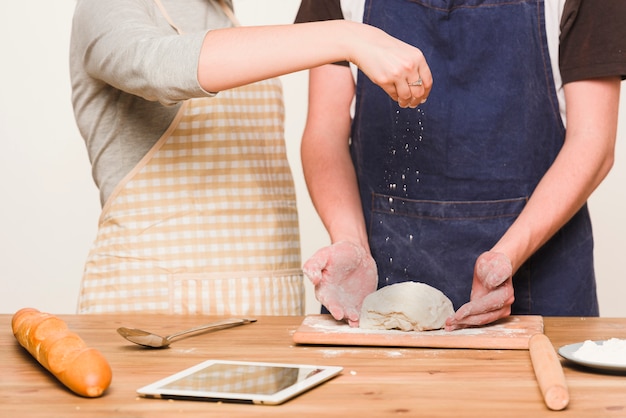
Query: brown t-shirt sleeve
pixel 318 10
pixel 593 39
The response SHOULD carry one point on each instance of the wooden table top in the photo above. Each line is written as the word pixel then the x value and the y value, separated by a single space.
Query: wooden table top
pixel 375 382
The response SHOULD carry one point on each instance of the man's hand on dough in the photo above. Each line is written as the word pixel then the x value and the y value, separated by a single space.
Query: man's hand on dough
pixel 492 293
pixel 343 275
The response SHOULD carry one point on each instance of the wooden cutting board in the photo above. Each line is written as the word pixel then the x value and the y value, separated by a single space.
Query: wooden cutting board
pixel 513 332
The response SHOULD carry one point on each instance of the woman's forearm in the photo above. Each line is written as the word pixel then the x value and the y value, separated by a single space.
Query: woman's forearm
pixel 236 56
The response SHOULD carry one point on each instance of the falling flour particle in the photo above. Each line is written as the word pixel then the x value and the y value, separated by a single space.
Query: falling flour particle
pixel 407 306
pixel 610 351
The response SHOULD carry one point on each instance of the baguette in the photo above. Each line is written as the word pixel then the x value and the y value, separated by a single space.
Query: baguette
pixel 83 370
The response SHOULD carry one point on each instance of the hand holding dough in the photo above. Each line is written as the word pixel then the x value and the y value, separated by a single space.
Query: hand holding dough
pixel 406 306
pixel 492 292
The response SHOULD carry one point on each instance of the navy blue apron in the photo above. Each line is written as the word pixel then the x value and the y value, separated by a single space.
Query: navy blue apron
pixel 441 184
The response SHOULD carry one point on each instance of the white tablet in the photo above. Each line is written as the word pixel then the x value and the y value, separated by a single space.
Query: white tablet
pixel 240 381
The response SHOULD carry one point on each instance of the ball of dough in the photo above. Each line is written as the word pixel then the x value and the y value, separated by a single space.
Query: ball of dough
pixel 406 306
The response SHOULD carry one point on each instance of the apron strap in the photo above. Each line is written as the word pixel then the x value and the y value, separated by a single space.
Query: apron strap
pixel 166 15
pixel 227 11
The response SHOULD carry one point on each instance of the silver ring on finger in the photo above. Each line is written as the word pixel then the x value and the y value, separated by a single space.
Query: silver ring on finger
pixel 417 83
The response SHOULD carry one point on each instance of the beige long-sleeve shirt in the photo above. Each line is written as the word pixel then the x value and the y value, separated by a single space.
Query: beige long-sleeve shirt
pixel 130 70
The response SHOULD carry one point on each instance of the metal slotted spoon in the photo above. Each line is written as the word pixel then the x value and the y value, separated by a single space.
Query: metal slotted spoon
pixel 148 339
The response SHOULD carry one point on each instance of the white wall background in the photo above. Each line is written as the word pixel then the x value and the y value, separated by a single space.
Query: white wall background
pixel 49 205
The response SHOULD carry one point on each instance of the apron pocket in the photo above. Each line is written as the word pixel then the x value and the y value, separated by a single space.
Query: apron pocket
pixel 436 242
pixel 261 293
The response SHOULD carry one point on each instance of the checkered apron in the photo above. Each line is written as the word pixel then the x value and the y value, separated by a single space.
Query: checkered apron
pixel 207 222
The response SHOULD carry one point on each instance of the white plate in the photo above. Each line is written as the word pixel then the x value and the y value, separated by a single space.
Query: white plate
pixel 567 351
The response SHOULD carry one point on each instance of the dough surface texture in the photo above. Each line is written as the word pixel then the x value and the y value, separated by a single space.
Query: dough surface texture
pixel 407 306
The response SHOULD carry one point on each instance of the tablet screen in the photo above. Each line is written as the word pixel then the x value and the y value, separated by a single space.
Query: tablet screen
pixel 253 382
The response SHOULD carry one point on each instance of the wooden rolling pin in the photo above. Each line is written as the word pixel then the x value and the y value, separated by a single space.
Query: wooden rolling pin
pixel 549 372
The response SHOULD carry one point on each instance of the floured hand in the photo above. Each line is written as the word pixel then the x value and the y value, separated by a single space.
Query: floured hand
pixel 492 293
pixel 343 275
